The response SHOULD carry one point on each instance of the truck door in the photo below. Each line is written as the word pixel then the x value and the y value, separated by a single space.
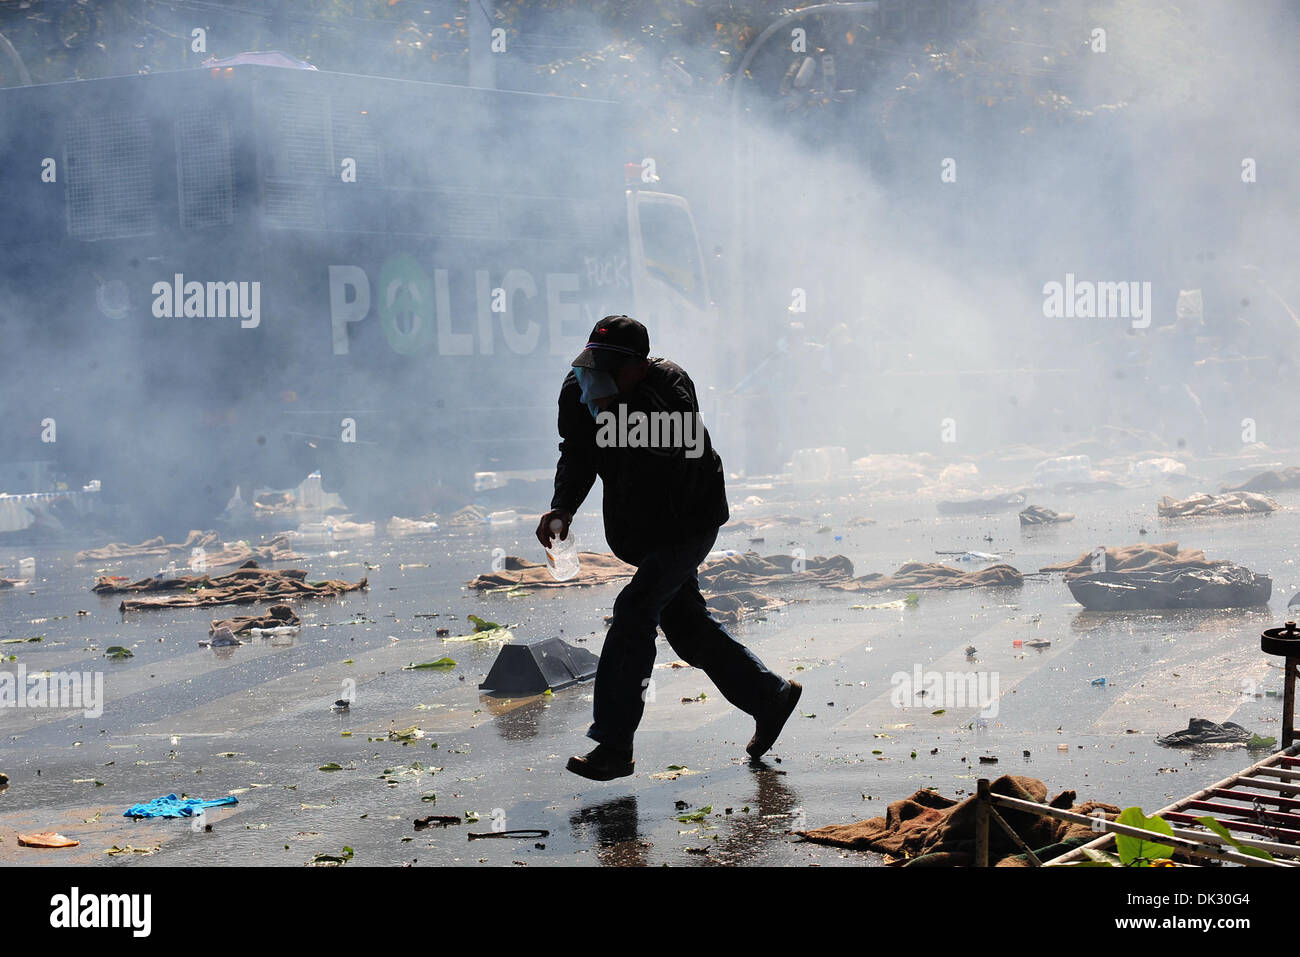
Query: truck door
pixel 671 290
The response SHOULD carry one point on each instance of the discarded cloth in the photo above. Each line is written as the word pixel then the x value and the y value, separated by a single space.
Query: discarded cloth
pixel 46 839
pixel 751 570
pixel 245 585
pixel 1204 731
pixel 172 806
pixel 231 554
pixel 1131 558
pixel 277 616
pixel 731 608
pixel 928 829
pixel 1269 481
pixel 469 515
pixel 925 575
pixel 411 526
pixel 1038 515
pixel 216 554
pixel 595 568
pixel 763 524
pixel 153 546
pixel 221 638
pixel 1222 585
pixel 598 568
pixel 1230 503
pixel 982 506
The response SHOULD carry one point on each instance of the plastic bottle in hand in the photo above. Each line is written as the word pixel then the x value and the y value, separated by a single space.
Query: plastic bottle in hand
pixel 562 556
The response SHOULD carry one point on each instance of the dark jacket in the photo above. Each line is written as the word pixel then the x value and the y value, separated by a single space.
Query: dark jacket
pixel 652 494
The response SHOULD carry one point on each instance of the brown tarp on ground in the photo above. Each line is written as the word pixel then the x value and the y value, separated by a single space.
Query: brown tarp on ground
pixel 1132 558
pixel 1268 481
pixel 928 829
pixel 154 546
pixel 594 568
pixel 763 524
pixel 750 570
pixel 277 616
pixel 1039 515
pixel 924 575
pixel 598 568
pixel 1230 503
pixel 744 573
pixel 736 605
pixel 243 586
pixel 217 555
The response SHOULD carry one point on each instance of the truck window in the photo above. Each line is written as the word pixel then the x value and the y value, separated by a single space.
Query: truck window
pixel 109 159
pixel 205 169
pixel 668 242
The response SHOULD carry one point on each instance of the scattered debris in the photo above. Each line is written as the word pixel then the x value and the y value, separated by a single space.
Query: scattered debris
pixel 927 575
pixel 1132 558
pixel 275 617
pixel 245 585
pixel 982 506
pixel 114 851
pixel 222 638
pixel 530 833
pixel 1269 481
pixel 172 806
pixel 1039 515
pixel 436 820
pixel 332 860
pixel 595 568
pixel 1204 731
pixel 1223 585
pixel 46 839
pixel 1230 503
pixel 440 663
pixel 928 829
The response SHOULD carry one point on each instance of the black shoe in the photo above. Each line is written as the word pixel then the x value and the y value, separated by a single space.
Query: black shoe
pixel 603 764
pixel 768 724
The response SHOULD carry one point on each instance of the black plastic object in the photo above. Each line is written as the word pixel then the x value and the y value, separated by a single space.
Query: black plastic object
pixel 1220 586
pixel 531 669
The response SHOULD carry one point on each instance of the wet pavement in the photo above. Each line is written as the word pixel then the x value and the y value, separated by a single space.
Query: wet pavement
pixel 256 721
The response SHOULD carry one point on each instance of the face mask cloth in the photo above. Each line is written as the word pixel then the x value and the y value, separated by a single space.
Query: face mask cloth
pixel 595 385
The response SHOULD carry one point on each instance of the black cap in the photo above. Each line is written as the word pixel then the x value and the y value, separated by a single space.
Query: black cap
pixel 613 341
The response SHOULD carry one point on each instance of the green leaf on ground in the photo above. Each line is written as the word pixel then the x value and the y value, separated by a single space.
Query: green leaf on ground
pixel 440 663
pixel 696 816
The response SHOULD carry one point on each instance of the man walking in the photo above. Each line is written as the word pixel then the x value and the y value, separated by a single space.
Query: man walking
pixel 635 421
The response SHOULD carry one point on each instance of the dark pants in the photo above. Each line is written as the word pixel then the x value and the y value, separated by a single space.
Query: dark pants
pixel 665 592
